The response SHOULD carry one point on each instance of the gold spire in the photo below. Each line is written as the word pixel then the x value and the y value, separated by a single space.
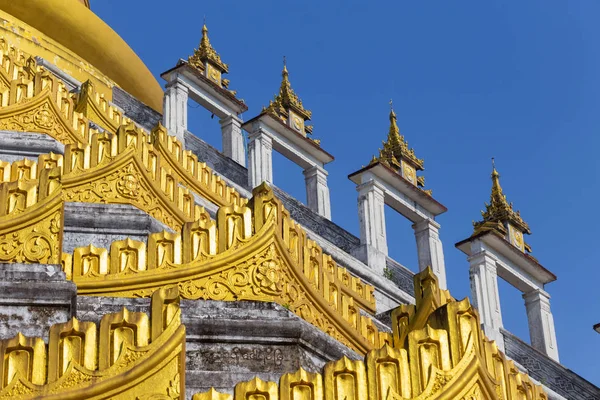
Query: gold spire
pixel 498 212
pixel 205 52
pixel 396 147
pixel 287 99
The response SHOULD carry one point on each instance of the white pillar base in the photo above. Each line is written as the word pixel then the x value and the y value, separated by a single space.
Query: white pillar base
pixel 233 139
pixel 317 191
pixel 175 109
pixel 260 158
pixel 541 323
pixel 430 250
pixel 485 295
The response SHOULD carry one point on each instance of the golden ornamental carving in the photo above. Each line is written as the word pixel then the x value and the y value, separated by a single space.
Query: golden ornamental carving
pixel 197 176
pixel 95 107
pixel 317 278
pixel 439 352
pixel 128 356
pixel 251 253
pixel 125 181
pixel 34 100
pixel 125 169
pixel 40 115
pixel 14 64
pixel 31 219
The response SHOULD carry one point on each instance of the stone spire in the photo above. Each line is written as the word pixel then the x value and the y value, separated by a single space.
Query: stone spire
pixel 499 212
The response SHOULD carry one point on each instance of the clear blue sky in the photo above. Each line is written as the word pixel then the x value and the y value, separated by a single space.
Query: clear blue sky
pixel 516 80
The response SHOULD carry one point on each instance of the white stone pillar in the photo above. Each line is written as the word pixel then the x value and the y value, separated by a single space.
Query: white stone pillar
pixel 429 249
pixel 485 295
pixel 541 322
pixel 175 109
pixel 233 139
pixel 371 216
pixel 260 158
pixel 317 191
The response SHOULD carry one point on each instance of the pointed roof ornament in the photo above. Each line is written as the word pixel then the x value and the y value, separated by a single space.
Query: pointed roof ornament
pixel 205 52
pixel 287 99
pixel 396 147
pixel 499 211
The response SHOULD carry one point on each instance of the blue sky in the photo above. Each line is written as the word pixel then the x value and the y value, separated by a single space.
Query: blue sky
pixel 518 80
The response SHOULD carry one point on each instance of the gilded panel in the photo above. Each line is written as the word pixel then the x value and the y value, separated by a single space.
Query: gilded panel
pixel 31 220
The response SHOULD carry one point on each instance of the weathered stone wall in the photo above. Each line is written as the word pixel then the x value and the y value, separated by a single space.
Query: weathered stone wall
pixel 231 342
pixel 15 146
pixel 101 224
pixel 225 166
pixel 33 297
pixel 135 109
pixel 548 372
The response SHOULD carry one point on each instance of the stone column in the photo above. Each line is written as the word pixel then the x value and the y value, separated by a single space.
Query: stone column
pixel 317 191
pixel 485 295
pixel 260 158
pixel 233 140
pixel 371 216
pixel 429 249
pixel 541 322
pixel 175 109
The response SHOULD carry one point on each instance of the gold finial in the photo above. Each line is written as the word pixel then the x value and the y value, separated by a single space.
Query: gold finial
pixel 284 73
pixel 287 98
pixel 396 146
pixel 494 172
pixel 499 210
pixel 205 52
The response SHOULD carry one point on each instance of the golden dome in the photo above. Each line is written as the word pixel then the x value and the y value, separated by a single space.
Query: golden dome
pixel 68 34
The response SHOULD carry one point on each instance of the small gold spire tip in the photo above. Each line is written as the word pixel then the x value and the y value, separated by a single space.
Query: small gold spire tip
pixel 494 171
